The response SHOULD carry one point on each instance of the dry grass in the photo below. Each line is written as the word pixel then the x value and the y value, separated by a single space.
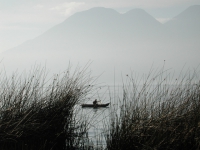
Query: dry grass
pixel 40 114
pixel 159 115
pixel 35 113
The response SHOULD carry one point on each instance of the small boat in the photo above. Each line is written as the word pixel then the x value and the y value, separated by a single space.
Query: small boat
pixel 95 106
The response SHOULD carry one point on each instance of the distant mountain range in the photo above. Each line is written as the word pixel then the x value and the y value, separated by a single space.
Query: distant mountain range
pixel 187 23
pixel 105 36
pixel 99 26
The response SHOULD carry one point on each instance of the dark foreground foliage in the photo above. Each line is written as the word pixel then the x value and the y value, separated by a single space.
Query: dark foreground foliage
pixel 42 115
pixel 159 117
pixel 39 114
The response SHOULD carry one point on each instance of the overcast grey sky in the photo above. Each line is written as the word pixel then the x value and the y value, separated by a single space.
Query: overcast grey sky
pixel 21 20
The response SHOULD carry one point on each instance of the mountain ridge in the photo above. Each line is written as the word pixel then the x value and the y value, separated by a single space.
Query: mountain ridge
pixel 187 23
pixel 95 24
pixel 111 40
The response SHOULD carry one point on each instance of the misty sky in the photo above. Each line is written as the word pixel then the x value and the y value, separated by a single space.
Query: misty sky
pixel 21 20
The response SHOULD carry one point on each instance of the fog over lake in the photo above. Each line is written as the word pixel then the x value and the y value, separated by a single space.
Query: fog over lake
pixel 114 43
pixel 118 43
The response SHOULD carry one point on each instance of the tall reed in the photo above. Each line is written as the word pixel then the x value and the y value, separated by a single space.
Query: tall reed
pixel 36 113
pixel 159 112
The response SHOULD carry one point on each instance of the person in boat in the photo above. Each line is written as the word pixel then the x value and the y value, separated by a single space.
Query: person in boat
pixel 95 102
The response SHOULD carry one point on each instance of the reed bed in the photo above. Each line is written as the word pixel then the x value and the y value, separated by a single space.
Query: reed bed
pixel 157 112
pixel 36 113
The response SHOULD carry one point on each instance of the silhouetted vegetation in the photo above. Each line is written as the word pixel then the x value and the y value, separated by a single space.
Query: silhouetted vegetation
pixel 40 114
pixel 35 113
pixel 162 114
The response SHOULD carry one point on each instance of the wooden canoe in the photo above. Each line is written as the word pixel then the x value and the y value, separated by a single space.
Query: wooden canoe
pixel 95 106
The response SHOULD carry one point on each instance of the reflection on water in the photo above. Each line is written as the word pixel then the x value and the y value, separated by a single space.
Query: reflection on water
pixel 98 120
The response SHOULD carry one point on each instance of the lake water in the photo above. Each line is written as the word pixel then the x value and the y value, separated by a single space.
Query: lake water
pixel 98 122
pixel 99 118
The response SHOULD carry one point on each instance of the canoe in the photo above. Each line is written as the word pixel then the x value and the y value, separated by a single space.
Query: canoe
pixel 95 106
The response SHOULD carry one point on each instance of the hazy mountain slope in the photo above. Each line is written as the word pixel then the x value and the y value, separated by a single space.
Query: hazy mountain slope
pixel 141 21
pixel 98 27
pixel 109 39
pixel 187 23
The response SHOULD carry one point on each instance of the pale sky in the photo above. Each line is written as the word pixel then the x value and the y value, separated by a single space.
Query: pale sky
pixel 21 20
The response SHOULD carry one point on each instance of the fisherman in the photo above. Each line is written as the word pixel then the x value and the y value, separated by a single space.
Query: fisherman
pixel 95 102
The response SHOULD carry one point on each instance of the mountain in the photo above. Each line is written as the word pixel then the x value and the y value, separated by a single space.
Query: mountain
pixel 91 27
pixel 110 39
pixel 187 23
